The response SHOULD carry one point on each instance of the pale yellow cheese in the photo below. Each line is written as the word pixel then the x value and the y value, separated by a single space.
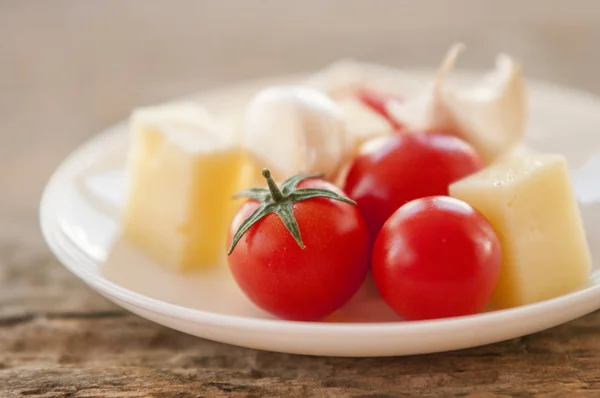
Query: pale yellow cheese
pixel 183 170
pixel 529 201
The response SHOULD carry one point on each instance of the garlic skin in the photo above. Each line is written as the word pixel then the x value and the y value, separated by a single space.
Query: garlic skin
pixel 428 110
pixel 491 115
pixel 295 129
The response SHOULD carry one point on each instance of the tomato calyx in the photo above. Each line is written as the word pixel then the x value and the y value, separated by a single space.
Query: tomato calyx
pixel 279 200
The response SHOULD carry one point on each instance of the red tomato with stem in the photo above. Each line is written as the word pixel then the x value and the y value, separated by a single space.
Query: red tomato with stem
pixel 393 170
pixel 301 251
pixel 436 257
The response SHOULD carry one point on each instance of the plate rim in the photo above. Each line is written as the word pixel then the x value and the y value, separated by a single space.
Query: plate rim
pixel 588 297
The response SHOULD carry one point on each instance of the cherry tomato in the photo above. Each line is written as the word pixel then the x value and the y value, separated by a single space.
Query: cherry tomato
pixel 436 257
pixel 297 283
pixel 376 101
pixel 393 170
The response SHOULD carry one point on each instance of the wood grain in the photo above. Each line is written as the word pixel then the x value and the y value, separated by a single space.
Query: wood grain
pixel 70 68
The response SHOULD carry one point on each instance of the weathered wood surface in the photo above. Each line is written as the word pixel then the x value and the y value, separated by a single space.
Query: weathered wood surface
pixel 69 68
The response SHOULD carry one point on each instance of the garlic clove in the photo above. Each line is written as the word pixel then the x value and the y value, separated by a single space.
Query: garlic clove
pixel 295 129
pixel 492 115
pixel 428 110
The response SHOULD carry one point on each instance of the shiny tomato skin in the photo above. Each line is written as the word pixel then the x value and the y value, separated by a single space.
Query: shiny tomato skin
pixel 377 101
pixel 436 257
pixel 391 171
pixel 302 284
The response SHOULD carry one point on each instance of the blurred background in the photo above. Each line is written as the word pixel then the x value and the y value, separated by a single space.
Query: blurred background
pixel 69 68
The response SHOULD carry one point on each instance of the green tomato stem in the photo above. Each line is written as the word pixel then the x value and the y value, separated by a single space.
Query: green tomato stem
pixel 276 194
pixel 280 202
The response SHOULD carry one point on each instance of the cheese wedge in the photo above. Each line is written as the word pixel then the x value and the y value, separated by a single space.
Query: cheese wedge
pixel 183 170
pixel 529 201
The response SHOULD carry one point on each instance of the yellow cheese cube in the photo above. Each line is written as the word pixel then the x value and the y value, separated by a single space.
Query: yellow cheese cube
pixel 183 170
pixel 530 203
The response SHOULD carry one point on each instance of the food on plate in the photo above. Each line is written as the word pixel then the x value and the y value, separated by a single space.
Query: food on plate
pixel 436 257
pixel 183 169
pixel 376 158
pixel 295 129
pixel 489 115
pixel 393 170
pixel 530 203
pixel 299 251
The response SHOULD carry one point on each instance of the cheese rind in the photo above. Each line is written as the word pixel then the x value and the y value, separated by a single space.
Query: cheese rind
pixel 183 172
pixel 530 203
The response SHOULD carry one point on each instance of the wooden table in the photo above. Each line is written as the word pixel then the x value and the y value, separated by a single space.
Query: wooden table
pixel 70 68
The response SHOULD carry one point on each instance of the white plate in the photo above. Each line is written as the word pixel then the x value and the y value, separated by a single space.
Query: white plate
pixel 79 219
